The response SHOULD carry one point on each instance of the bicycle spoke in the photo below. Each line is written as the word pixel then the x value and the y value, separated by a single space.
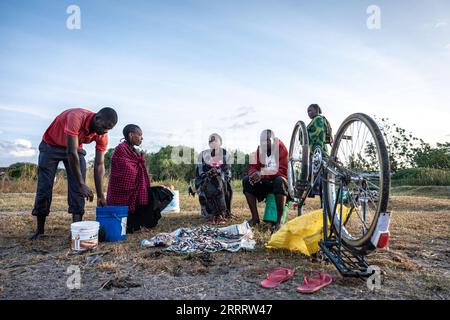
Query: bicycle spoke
pixel 357 159
pixel 356 210
pixel 373 184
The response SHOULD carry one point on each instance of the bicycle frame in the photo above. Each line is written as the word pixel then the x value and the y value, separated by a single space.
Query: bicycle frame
pixel 347 262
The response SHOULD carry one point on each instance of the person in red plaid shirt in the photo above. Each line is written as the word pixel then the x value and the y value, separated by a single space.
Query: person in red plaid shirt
pixel 128 178
pixel 63 141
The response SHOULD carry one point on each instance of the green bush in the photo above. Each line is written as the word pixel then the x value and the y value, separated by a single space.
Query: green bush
pixel 438 158
pixel 421 177
pixel 161 166
pixel 23 170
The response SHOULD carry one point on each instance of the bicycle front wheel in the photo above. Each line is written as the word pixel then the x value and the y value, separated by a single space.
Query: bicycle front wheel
pixel 360 164
pixel 298 165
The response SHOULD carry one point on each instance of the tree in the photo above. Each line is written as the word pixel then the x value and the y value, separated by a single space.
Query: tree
pixel 162 166
pixel 240 164
pixel 437 158
pixel 402 146
pixel 23 170
pixel 108 156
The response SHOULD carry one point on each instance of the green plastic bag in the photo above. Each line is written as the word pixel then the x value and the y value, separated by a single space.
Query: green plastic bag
pixel 270 212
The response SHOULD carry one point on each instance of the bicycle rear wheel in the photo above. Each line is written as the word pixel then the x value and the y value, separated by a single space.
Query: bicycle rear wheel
pixel 360 160
pixel 298 166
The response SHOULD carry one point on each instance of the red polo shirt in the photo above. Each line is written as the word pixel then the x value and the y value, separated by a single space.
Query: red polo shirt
pixel 74 122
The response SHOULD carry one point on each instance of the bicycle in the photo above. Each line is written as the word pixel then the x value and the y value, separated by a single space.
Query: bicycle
pixel 355 181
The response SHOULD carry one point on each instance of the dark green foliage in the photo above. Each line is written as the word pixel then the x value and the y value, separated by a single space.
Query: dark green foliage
pixel 408 151
pixel 437 158
pixel 421 177
pixel 178 163
pixel 23 170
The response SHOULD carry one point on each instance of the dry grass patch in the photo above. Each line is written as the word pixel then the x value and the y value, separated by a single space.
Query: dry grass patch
pixel 107 266
pixel 415 265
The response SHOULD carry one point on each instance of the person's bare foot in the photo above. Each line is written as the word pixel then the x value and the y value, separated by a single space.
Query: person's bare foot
pixel 219 220
pixel 253 223
pixel 230 216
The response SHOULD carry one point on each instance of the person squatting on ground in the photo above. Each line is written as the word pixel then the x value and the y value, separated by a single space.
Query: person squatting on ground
pixel 267 174
pixel 213 181
pixel 129 183
pixel 63 141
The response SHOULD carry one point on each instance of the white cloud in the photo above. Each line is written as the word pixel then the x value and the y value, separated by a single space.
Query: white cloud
pixel 441 24
pixel 244 111
pixel 436 24
pixel 32 111
pixel 20 148
pixel 245 124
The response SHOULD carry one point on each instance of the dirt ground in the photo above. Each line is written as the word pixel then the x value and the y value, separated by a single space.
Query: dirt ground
pixel 415 266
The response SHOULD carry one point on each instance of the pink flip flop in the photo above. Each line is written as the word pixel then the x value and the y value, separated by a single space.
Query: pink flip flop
pixel 276 276
pixel 314 283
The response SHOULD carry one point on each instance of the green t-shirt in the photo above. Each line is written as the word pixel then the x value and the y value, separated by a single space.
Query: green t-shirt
pixel 317 132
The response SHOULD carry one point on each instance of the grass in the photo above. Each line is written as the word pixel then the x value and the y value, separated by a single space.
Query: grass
pixel 107 266
pixel 28 185
pixel 413 265
pixel 422 191
pixel 421 177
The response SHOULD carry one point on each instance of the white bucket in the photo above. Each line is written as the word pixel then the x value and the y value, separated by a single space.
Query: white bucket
pixel 174 205
pixel 84 235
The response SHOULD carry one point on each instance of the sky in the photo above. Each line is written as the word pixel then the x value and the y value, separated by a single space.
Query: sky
pixel 182 70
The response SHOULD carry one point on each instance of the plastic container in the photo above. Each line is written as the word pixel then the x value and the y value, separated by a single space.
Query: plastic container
pixel 84 235
pixel 270 212
pixel 113 222
pixel 174 205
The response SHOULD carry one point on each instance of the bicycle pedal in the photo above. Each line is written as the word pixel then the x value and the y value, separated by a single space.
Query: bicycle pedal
pixel 321 256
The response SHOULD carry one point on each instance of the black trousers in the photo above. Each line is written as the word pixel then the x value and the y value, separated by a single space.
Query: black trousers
pixel 49 159
pixel 261 189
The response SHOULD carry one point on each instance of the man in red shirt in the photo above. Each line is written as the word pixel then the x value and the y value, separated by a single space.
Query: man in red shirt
pixel 267 174
pixel 63 141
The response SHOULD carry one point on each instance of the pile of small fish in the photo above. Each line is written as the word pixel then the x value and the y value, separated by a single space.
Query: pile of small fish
pixel 200 239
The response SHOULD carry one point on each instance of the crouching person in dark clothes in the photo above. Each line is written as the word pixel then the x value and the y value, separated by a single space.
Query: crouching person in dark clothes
pixel 213 182
pixel 63 141
pixel 129 183
pixel 267 174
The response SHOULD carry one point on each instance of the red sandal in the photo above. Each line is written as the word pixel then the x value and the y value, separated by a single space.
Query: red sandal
pixel 315 282
pixel 276 276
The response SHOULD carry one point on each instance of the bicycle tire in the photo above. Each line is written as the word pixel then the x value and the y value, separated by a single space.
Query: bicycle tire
pixel 301 132
pixel 362 245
